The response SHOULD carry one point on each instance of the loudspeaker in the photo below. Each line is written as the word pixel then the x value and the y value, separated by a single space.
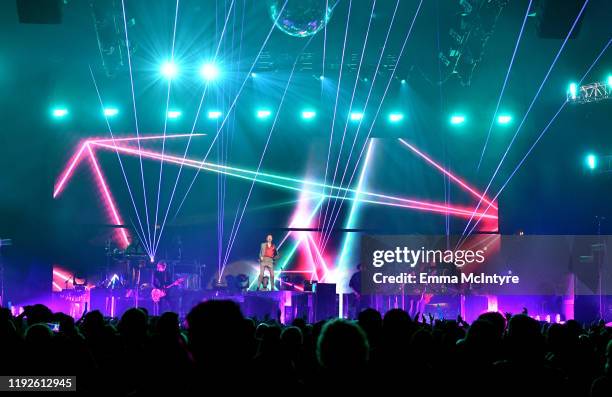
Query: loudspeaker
pixel 554 18
pixel 40 11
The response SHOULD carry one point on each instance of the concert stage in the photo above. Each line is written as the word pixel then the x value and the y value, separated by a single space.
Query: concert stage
pixel 380 124
pixel 322 304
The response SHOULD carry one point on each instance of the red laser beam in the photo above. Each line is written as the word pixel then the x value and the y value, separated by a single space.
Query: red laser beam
pixel 111 144
pixel 404 203
pixel 110 202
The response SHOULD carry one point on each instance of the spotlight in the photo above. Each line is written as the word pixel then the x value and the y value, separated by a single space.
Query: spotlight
pixel 174 114
pixel 504 119
pixel 59 112
pixel 253 75
pixel 573 90
pixel 110 112
pixel 214 114
pixel 169 70
pixel 263 114
pixel 591 161
pixel 610 80
pixel 457 119
pixel 308 114
pixel 321 77
pixel 396 117
pixel 403 81
pixel 209 71
pixel 356 116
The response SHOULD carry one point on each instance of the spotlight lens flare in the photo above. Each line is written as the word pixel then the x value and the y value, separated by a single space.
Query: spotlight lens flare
pixel 504 119
pixel 59 112
pixel 356 116
pixel 308 114
pixel 591 161
pixel 396 117
pixel 263 114
pixel 214 114
pixel 209 71
pixel 174 114
pixel 573 90
pixel 169 70
pixel 110 112
pixel 457 119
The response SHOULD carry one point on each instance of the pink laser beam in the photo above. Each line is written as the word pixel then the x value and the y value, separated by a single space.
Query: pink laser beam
pixel 107 195
pixel 319 255
pixel 445 172
pixel 412 204
pixel 193 163
pixel 68 172
pixel 145 138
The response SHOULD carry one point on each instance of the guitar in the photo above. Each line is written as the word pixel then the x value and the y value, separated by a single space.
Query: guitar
pixel 157 294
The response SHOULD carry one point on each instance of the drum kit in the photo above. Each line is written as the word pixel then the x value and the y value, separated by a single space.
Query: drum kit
pixel 129 275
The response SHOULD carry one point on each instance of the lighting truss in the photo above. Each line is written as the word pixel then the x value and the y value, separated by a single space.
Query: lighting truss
pixel 604 164
pixel 468 36
pixel 593 92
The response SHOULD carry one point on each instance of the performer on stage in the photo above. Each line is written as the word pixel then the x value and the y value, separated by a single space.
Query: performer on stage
pixel 267 256
pixel 160 277
pixel 161 281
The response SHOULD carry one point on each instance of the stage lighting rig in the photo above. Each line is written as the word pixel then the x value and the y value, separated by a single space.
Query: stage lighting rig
pixel 596 164
pixel 109 27
pixel 467 37
pixel 593 92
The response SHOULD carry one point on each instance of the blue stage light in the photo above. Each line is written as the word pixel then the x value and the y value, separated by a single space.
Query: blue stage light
pixel 308 114
pixel 59 112
pixel 169 70
pixel 356 116
pixel 263 114
pixel 457 119
pixel 174 114
pixel 396 117
pixel 214 114
pixel 591 161
pixel 111 112
pixel 504 119
pixel 573 90
pixel 209 71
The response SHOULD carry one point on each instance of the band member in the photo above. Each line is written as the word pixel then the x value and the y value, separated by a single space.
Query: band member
pixel 160 277
pixel 267 256
pixel 161 280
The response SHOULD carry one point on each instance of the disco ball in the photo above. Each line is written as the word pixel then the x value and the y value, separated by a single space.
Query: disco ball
pixel 301 18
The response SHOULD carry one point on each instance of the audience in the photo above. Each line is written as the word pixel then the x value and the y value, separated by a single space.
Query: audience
pixel 218 349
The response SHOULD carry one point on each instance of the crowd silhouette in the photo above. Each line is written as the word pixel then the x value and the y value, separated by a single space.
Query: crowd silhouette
pixel 216 348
